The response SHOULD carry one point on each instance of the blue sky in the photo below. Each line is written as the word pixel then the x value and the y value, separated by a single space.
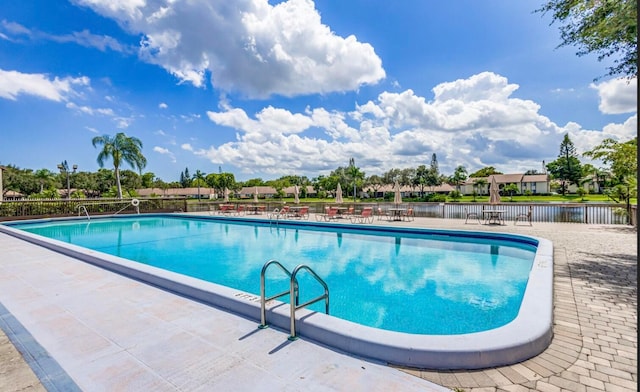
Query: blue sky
pixel 265 89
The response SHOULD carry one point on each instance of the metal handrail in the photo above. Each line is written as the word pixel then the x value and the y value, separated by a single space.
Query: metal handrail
pixel 86 212
pixel 296 306
pixel 263 299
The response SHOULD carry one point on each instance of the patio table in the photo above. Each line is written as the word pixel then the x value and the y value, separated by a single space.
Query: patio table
pixel 493 216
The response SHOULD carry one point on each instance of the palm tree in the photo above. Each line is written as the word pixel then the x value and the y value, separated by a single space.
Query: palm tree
pixel 44 177
pixel 199 179
pixel 121 148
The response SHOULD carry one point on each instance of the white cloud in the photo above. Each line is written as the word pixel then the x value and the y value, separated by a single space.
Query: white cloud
pixel 123 122
pixel 163 105
pixel 83 38
pixel 14 83
pixel 267 49
pixel 187 147
pixel 473 122
pixel 91 111
pixel 164 151
pixel 618 96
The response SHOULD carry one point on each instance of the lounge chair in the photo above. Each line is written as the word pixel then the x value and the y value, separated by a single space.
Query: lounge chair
pixel 277 214
pixel 227 208
pixel 471 215
pixel 366 216
pixel 300 213
pixel 349 212
pixel 528 216
pixel 332 214
pixel 240 210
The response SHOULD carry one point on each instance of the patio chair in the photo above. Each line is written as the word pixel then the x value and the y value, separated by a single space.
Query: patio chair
pixel 240 210
pixel 366 216
pixel 471 215
pixel 528 216
pixel 408 215
pixel 332 213
pixel 349 212
pixel 382 214
pixel 274 215
pixel 284 212
pixel 301 213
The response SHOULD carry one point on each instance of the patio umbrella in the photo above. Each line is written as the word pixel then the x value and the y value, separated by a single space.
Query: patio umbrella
pixel 339 194
pixel 397 198
pixel 494 192
pixel 226 195
pixel 255 195
pixel 295 194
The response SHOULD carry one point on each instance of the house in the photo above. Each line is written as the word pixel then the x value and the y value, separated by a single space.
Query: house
pixel 406 190
pixel 269 192
pixel 536 183
pixel 12 195
pixel 205 193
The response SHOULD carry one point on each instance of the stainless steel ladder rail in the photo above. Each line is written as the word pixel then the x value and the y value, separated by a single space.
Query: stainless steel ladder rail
pixel 296 306
pixel 263 299
pixel 83 208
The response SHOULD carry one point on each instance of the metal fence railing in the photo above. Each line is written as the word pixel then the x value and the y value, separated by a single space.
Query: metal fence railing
pixel 586 213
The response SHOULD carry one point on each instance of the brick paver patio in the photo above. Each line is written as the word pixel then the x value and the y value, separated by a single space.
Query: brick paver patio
pixel 595 327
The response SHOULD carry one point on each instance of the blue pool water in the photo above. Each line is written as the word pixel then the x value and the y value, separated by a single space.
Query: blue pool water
pixel 418 283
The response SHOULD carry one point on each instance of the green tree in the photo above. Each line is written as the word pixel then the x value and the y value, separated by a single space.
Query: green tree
pixel 121 149
pixel 105 180
pixel 608 28
pixel 44 177
pixel 455 195
pixel 510 189
pixel 198 180
pixel 185 178
pixel 420 178
pixel 567 167
pixel 480 183
pixel 148 179
pixel 459 176
pixel 485 172
pixel 356 176
pixel 433 175
pixel 622 158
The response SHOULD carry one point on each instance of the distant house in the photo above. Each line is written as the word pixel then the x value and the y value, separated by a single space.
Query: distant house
pixel 12 195
pixel 406 190
pixel 536 183
pixel 205 193
pixel 268 192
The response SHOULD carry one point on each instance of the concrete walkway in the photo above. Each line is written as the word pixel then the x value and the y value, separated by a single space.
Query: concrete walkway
pixel 111 333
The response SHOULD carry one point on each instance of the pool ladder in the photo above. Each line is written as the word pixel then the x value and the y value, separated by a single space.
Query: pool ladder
pixel 82 208
pixel 294 298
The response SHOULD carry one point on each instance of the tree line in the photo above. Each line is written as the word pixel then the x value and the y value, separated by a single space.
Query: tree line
pixel 619 177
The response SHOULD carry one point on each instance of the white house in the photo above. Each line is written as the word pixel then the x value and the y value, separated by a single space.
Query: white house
pixel 536 183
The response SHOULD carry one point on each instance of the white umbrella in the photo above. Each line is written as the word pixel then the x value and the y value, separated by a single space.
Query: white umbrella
pixel 255 195
pixel 494 192
pixel 397 198
pixel 226 195
pixel 295 194
pixel 339 194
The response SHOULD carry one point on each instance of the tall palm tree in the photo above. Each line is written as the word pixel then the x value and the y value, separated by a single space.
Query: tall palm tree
pixel 44 177
pixel 199 179
pixel 121 148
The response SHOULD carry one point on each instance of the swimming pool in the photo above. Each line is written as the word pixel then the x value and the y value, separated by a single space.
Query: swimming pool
pixel 405 265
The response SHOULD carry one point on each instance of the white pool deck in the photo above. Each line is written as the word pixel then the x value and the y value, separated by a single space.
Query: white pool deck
pixel 109 332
